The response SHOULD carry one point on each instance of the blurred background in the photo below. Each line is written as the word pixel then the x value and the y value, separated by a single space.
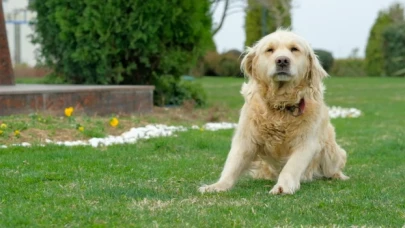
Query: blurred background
pixel 64 39
pixel 340 26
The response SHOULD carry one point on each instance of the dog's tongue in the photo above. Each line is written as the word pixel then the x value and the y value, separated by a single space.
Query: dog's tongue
pixel 302 105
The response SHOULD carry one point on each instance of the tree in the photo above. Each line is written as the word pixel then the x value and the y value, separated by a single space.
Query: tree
pixel 6 69
pixel 265 16
pixel 230 7
pixel 374 64
pixel 224 14
pixel 394 50
pixel 326 58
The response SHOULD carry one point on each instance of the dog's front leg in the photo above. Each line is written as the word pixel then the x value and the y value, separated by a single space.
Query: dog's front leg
pixel 239 158
pixel 289 178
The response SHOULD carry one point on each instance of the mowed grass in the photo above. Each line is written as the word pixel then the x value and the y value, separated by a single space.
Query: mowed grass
pixel 29 80
pixel 154 182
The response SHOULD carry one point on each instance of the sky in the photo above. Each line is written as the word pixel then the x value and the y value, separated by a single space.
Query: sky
pixel 338 26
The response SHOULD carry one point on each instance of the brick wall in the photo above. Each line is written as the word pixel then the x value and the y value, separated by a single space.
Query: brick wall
pixel 100 100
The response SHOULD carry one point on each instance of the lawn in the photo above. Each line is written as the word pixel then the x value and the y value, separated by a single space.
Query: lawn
pixel 29 80
pixel 154 182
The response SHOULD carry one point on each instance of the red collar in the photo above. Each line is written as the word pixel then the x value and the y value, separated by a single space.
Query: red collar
pixel 297 109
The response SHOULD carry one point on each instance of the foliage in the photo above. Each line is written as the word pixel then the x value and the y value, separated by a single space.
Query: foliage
pixel 394 50
pixel 350 67
pixel 375 62
pixel 120 41
pixel 326 58
pixel 229 64
pixel 225 64
pixel 170 91
pixel 206 64
pixel 257 14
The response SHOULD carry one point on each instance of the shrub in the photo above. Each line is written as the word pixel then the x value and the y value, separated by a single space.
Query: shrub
pixel 394 50
pixel 326 58
pixel 253 22
pixel 171 91
pixel 353 67
pixel 234 52
pixel 229 64
pixel 226 64
pixel 375 62
pixel 120 41
pixel 210 61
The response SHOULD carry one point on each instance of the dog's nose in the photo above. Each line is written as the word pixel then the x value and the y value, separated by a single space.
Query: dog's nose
pixel 283 61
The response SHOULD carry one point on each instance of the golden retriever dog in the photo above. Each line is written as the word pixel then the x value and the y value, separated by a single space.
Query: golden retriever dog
pixel 284 132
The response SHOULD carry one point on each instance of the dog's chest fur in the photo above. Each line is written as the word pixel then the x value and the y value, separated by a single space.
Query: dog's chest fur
pixel 276 130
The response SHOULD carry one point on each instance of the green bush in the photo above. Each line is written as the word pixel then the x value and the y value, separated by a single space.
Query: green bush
pixel 351 67
pixel 210 61
pixel 375 62
pixel 229 64
pixel 170 91
pixel 226 64
pixel 326 58
pixel 120 41
pixel 253 22
pixel 394 50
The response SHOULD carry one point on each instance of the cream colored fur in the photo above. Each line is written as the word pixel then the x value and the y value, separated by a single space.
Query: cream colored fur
pixel 271 142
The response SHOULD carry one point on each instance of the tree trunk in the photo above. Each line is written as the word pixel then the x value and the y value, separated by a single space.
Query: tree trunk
pixel 6 69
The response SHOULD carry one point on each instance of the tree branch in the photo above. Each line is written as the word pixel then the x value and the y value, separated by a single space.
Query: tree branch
pixel 214 6
pixel 222 18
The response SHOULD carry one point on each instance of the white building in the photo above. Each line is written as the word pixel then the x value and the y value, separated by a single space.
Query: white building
pixel 17 15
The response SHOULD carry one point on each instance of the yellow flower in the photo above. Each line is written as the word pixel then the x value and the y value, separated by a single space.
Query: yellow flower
pixel 114 122
pixel 1 132
pixel 17 133
pixel 69 111
pixel 3 126
pixel 81 128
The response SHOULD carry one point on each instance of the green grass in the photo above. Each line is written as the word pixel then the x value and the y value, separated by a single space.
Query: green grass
pixel 223 91
pixel 154 182
pixel 22 80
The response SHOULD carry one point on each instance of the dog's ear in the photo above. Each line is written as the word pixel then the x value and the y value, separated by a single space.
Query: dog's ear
pixel 247 62
pixel 316 71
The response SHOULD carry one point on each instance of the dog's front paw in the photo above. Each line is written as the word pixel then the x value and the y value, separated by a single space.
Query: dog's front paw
pixel 217 187
pixel 340 176
pixel 285 186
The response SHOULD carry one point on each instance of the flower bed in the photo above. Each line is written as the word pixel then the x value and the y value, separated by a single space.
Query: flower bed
pixel 153 131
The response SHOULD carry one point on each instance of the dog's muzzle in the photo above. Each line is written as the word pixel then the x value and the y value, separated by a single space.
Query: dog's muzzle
pixel 282 68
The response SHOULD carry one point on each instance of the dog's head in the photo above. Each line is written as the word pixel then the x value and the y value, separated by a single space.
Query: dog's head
pixel 282 56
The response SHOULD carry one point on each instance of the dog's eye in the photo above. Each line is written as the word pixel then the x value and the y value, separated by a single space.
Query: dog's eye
pixel 270 50
pixel 294 49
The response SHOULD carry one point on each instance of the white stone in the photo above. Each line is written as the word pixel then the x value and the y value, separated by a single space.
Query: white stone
pixel 25 144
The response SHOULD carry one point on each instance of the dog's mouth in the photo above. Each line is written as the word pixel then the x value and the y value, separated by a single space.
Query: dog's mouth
pixel 282 76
